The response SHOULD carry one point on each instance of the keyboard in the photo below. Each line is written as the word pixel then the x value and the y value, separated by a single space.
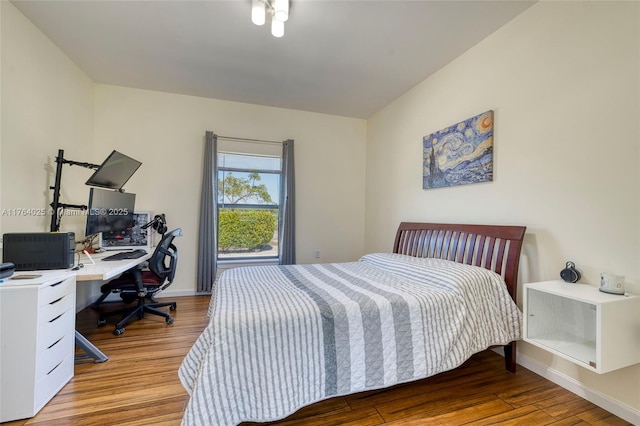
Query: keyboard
pixel 124 255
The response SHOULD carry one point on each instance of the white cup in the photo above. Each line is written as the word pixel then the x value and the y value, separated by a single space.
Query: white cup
pixel 611 283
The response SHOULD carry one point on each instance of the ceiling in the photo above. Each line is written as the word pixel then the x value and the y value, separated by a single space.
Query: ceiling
pixel 348 58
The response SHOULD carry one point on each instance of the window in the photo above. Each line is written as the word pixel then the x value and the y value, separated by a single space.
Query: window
pixel 248 206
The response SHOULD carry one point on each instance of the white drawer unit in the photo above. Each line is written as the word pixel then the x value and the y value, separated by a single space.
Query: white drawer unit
pixel 37 341
pixel 596 330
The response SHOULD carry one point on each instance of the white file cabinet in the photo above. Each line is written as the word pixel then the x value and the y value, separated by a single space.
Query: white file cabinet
pixel 596 330
pixel 37 341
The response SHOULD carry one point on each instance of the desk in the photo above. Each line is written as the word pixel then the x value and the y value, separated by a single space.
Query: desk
pixel 102 271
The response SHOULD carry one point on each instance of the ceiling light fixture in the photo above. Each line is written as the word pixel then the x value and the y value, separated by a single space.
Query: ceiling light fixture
pixel 277 9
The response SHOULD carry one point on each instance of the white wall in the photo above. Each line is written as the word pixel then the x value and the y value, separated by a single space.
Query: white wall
pixel 166 132
pixel 47 104
pixel 563 80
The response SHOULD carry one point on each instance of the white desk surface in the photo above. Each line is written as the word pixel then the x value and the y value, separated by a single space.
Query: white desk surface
pixel 101 271
pixel 105 270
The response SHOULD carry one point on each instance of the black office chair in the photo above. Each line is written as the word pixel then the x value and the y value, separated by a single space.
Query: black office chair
pixel 142 284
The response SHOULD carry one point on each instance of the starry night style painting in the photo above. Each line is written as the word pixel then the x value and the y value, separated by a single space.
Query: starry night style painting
pixel 460 154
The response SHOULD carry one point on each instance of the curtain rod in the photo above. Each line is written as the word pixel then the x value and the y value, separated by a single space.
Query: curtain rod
pixel 249 140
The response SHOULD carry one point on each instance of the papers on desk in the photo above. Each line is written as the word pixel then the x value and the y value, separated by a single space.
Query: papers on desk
pixel 25 277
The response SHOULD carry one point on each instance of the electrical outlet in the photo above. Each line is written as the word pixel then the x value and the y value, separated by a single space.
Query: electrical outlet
pixel 317 254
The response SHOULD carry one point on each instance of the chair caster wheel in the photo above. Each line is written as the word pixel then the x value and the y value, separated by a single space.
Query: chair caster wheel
pixel 172 308
pixel 170 320
pixel 102 322
pixel 118 331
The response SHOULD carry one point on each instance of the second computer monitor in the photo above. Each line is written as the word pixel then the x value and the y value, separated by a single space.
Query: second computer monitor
pixel 110 212
pixel 136 238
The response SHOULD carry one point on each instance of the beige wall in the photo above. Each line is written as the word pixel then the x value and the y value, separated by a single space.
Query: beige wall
pixel 47 104
pixel 166 132
pixel 563 80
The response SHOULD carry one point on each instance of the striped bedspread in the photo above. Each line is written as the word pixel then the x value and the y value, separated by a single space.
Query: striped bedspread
pixel 282 337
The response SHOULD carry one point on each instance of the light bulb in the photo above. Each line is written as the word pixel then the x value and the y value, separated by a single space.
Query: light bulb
pixel 281 10
pixel 277 27
pixel 257 12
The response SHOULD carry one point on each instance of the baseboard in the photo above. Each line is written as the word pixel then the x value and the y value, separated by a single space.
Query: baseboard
pixel 613 406
pixel 179 293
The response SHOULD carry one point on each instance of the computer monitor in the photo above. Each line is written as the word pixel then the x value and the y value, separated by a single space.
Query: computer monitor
pixel 136 238
pixel 114 172
pixel 110 212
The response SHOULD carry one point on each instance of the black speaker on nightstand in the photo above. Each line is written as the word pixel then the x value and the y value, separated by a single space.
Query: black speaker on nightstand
pixel 570 274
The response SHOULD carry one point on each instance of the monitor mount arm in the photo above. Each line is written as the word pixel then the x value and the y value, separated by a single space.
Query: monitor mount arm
pixel 56 204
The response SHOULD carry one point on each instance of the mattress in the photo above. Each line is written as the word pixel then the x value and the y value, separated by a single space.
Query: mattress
pixel 282 337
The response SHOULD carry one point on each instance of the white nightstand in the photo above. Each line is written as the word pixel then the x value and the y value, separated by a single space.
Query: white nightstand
pixel 596 330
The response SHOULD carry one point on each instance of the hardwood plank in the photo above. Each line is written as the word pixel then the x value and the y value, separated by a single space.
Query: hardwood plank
pixel 323 408
pixel 564 406
pixel 570 421
pixel 521 397
pixel 162 411
pixel 527 415
pixel 360 417
pixel 599 416
pixel 443 405
pixel 139 386
pixel 463 384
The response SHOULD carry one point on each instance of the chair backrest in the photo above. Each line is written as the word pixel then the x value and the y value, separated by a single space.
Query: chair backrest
pixel 163 252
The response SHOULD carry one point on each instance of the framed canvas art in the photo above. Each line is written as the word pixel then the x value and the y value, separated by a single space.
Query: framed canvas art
pixel 459 154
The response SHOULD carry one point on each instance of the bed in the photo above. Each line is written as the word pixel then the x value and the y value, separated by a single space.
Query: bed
pixel 282 337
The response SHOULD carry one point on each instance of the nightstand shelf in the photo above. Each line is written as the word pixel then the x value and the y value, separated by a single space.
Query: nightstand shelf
pixel 595 330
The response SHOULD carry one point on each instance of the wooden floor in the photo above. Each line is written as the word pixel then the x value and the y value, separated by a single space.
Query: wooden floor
pixel 139 386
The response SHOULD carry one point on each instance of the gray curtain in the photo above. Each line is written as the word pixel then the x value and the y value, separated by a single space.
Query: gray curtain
pixel 208 235
pixel 286 239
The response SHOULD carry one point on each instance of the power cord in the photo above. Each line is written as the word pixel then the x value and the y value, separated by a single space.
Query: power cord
pixel 81 265
pixel 78 264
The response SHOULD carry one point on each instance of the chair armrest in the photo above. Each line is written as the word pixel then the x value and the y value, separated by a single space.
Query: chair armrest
pixel 136 273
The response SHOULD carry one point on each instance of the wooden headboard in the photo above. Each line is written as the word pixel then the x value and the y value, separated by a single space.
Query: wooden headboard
pixel 492 247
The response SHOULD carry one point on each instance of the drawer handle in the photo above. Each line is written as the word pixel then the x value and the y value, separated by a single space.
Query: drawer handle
pixel 56 301
pixel 56 284
pixel 55 343
pixel 51 371
pixel 56 318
